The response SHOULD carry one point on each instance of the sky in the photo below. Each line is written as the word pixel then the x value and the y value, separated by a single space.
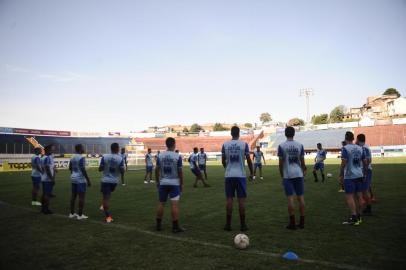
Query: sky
pixel 126 65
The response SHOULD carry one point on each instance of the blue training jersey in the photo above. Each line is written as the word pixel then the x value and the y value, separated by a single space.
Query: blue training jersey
pixel 192 160
pixel 235 153
pixel 77 163
pixel 258 157
pixel 169 164
pixel 321 156
pixel 368 155
pixel 35 164
pixel 202 157
pixel 354 155
pixel 112 164
pixel 149 161
pixel 47 161
pixel 291 153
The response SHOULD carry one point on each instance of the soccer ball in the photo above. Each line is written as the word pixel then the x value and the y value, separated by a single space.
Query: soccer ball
pixel 329 175
pixel 241 241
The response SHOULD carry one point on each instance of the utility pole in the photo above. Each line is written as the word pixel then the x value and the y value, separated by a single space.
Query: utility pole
pixel 307 92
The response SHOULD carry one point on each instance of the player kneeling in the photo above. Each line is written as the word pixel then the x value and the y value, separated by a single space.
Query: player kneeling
pixel 169 177
pixel 79 181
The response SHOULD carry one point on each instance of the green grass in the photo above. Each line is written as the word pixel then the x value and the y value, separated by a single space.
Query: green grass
pixel 30 240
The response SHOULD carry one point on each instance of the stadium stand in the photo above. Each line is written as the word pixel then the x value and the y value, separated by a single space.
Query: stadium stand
pixel 383 135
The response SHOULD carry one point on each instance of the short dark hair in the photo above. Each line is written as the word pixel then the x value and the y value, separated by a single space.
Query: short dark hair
pixel 170 142
pixel 349 136
pixel 48 147
pixel 201 148
pixel 78 147
pixel 195 149
pixel 361 137
pixel 235 131
pixel 114 147
pixel 343 143
pixel 37 150
pixel 319 144
pixel 290 132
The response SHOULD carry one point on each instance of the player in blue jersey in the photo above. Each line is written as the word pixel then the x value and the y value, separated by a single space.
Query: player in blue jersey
pixel 353 171
pixel 258 157
pixel 36 171
pixel 202 160
pixel 292 169
pixel 112 167
pixel 80 180
pixel 193 160
pixel 169 177
pixel 233 156
pixel 124 155
pixel 149 166
pixel 366 185
pixel 319 163
pixel 47 178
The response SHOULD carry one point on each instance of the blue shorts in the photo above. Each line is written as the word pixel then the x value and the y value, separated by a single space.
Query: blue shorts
pixel 78 188
pixel 294 186
pixel 36 181
pixel 168 190
pixel 366 184
pixel 202 167
pixel 257 165
pixel 149 169
pixel 319 166
pixel 196 171
pixel 47 188
pixel 352 186
pixel 107 188
pixel 235 185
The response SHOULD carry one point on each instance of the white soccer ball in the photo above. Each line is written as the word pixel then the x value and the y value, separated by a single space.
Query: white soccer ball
pixel 241 241
pixel 329 175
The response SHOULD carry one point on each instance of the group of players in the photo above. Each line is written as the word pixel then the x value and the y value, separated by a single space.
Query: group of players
pixel 355 175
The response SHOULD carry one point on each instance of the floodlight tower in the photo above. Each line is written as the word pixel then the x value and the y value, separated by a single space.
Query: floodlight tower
pixel 307 92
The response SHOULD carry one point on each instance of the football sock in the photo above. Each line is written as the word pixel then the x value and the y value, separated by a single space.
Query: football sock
pixel 292 220
pixel 315 177
pixel 175 224
pixel 242 220
pixel 302 221
pixel 228 220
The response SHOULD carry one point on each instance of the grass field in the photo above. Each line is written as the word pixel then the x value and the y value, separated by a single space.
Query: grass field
pixel 30 240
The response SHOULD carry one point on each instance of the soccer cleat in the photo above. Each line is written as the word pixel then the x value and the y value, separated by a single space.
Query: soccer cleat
pixel 151 181
pixel 341 190
pixel 35 203
pixel 300 226
pixel 261 178
pixel 227 227
pixel 350 221
pixel 82 217
pixel 74 215
pixel 244 228
pixel 178 230
pixel 145 182
pixel 109 219
pixel 123 185
pixel 101 208
pixel 253 178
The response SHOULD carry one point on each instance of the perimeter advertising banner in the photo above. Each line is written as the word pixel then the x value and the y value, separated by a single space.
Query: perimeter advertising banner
pixel 20 166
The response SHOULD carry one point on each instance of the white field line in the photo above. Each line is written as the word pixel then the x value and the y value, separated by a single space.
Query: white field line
pixel 196 242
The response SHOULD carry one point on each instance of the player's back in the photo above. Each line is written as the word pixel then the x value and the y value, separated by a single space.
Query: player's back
pixel 169 164
pixel 235 152
pixel 201 158
pixel 257 156
pixel 47 161
pixel 77 164
pixel 112 165
pixel 148 157
pixel 35 161
pixel 354 155
pixel 291 153
pixel 192 160
pixel 368 155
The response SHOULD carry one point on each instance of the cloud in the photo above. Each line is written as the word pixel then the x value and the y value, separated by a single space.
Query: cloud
pixel 54 77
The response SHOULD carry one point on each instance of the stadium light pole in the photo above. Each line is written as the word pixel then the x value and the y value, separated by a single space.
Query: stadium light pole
pixel 307 92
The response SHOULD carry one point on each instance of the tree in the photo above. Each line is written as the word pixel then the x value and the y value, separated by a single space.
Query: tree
pixel 392 91
pixel 219 127
pixel 320 119
pixel 185 130
pixel 265 117
pixel 248 125
pixel 195 128
pixel 337 114
pixel 296 122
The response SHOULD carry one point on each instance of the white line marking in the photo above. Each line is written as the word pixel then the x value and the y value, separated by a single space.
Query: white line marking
pixel 196 242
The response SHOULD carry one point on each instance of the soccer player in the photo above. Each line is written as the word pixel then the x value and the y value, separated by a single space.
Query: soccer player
pixel 79 180
pixel 36 175
pixel 292 169
pixel 258 157
pixel 169 176
pixel 149 167
pixel 233 156
pixel 202 160
pixel 366 185
pixel 319 165
pixel 124 156
pixel 112 166
pixel 47 178
pixel 341 190
pixel 195 169
pixel 352 173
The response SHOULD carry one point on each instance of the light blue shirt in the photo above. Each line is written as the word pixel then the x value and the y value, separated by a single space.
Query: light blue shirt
pixel 321 155
pixel 112 163
pixel 169 164
pixel 77 164
pixel 201 157
pixel 47 161
pixel 368 155
pixel 192 160
pixel 148 156
pixel 258 157
pixel 35 162
pixel 235 152
pixel 291 153
pixel 354 155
